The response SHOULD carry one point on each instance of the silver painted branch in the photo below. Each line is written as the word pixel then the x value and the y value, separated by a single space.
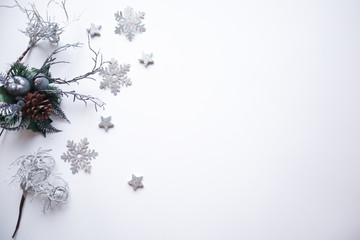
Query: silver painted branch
pixel 51 60
pixel 85 98
pixel 39 28
pixel 98 64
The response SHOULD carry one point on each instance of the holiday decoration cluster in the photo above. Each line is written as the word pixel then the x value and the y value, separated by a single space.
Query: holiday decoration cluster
pixel 30 97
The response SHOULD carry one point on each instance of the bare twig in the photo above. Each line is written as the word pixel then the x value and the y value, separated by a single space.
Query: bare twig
pixel 85 98
pixel 51 59
pixel 98 64
pixel 62 5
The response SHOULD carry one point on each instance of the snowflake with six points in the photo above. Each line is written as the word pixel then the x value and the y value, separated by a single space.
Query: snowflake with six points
pixel 129 23
pixel 79 155
pixel 114 76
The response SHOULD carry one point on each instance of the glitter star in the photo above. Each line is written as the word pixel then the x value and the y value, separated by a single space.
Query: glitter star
pixel 136 182
pixel 106 123
pixel 94 30
pixel 146 59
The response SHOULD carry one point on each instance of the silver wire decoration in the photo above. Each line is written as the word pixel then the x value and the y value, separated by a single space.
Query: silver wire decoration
pixel 35 176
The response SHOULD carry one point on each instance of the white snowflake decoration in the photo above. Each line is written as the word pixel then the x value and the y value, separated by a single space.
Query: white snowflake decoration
pixel 114 76
pixel 79 155
pixel 129 23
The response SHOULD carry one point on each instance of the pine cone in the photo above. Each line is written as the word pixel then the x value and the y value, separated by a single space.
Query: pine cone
pixel 37 107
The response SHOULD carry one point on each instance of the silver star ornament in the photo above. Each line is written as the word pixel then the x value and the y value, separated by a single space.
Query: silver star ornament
pixel 136 182
pixel 94 30
pixel 147 58
pixel 106 123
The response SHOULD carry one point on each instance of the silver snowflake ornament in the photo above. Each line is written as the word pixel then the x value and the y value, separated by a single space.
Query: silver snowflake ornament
pixel 106 123
pixel 79 156
pixel 115 76
pixel 147 58
pixel 136 182
pixel 94 30
pixel 129 22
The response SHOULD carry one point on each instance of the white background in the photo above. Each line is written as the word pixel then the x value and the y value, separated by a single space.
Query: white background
pixel 246 127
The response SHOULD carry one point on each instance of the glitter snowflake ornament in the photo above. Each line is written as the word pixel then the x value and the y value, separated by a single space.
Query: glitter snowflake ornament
pixel 79 156
pixel 114 76
pixel 129 22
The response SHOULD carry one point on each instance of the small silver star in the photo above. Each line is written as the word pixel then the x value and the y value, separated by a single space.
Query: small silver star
pixel 136 182
pixel 106 123
pixel 94 30
pixel 146 59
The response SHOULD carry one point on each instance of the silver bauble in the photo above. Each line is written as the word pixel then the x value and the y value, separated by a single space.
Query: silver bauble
pixel 17 86
pixel 41 82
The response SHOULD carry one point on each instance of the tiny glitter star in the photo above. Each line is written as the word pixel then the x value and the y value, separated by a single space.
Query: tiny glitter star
pixel 136 182
pixel 106 123
pixel 94 30
pixel 146 59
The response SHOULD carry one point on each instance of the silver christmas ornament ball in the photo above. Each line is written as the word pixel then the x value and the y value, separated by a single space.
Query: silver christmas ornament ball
pixel 17 86
pixel 41 82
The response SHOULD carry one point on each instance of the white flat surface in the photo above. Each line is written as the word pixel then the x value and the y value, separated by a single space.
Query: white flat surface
pixel 246 127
